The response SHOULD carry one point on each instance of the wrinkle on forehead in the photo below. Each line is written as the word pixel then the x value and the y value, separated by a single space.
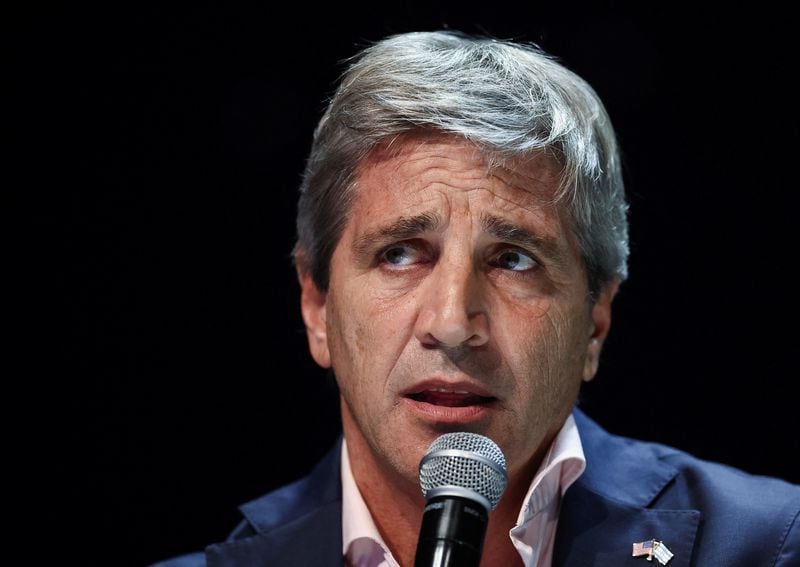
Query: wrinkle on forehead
pixel 534 178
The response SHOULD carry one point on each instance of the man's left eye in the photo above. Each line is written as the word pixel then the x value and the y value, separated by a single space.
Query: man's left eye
pixel 400 255
pixel 515 260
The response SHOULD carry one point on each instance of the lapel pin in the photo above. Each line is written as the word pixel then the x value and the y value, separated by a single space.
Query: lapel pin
pixel 653 548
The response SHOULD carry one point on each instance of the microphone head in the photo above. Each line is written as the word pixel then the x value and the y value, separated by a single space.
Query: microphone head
pixel 466 465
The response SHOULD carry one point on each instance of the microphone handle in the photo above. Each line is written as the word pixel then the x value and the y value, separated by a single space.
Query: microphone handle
pixel 452 533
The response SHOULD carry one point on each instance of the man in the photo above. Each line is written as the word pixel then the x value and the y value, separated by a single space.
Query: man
pixel 462 233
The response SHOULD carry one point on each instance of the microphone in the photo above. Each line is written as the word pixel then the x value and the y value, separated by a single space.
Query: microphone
pixel 463 475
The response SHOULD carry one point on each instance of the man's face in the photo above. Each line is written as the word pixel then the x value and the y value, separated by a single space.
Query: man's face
pixel 458 301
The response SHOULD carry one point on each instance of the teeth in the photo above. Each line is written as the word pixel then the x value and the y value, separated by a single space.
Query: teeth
pixel 446 391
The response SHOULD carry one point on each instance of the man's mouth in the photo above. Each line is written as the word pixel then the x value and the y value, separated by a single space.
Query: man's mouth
pixel 450 404
pixel 450 398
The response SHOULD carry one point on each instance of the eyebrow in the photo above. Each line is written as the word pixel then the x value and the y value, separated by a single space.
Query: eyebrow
pixel 509 232
pixel 403 228
pixel 406 228
pixel 514 234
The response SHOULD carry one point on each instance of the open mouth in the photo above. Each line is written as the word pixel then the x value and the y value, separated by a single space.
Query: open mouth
pixel 450 398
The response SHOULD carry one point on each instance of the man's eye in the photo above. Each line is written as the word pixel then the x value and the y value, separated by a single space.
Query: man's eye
pixel 400 255
pixel 515 260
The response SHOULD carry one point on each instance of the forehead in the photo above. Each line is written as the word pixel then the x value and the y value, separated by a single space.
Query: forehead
pixel 418 170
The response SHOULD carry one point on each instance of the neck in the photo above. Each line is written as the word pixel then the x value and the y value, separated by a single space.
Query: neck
pixel 396 504
pixel 497 547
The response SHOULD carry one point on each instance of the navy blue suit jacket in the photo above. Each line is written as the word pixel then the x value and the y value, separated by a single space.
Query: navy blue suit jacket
pixel 709 515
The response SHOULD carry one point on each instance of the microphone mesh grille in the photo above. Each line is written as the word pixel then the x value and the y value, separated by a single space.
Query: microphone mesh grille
pixel 468 471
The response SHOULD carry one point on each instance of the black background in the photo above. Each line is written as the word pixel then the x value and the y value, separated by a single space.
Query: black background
pixel 169 377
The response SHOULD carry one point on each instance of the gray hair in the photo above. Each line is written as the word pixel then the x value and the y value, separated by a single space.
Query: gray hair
pixel 509 99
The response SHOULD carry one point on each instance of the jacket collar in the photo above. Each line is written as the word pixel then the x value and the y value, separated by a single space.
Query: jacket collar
pixel 300 524
pixel 621 469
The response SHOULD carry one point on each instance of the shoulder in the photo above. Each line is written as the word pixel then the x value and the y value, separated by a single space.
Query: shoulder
pixel 197 559
pixel 743 510
pixel 745 513
pixel 277 515
pixel 710 483
pixel 296 501
pixel 612 459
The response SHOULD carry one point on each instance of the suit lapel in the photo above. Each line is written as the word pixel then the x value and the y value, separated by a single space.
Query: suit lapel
pixel 612 505
pixel 595 531
pixel 300 524
pixel 314 539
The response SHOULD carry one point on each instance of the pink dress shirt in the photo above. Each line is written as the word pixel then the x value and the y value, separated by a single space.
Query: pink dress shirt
pixel 532 536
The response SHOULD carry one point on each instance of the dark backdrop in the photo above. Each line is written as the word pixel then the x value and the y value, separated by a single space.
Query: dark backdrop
pixel 170 377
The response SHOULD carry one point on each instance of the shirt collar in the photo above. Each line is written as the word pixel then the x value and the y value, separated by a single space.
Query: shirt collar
pixel 561 466
pixel 361 541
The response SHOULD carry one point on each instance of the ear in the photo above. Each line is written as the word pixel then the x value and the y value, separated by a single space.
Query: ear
pixel 601 324
pixel 312 305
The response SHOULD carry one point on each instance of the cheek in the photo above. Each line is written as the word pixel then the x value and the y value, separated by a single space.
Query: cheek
pixel 386 320
pixel 546 352
pixel 366 335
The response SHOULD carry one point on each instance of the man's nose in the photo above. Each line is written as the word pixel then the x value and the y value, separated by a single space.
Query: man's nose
pixel 452 309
